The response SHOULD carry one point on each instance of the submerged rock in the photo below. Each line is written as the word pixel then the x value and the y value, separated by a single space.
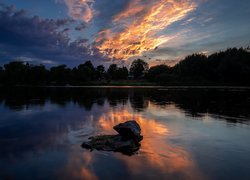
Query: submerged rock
pixel 126 142
pixel 114 143
pixel 129 129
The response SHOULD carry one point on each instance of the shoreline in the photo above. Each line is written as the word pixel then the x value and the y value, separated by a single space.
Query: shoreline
pixel 131 86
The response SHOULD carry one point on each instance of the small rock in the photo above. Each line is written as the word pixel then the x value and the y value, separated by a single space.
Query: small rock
pixel 129 129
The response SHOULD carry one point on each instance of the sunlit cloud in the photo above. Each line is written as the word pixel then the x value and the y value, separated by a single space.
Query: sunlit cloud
pixel 157 31
pixel 80 9
pixel 136 29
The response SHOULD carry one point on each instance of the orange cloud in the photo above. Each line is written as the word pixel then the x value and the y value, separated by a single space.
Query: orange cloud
pixel 80 9
pixel 135 29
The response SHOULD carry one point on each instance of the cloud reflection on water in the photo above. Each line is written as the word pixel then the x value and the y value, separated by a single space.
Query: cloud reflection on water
pixel 43 128
pixel 156 154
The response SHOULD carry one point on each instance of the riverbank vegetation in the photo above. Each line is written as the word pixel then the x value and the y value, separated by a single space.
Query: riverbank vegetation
pixel 230 67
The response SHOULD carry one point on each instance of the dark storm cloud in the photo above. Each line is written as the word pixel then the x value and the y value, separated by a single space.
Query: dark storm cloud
pixel 81 26
pixel 46 39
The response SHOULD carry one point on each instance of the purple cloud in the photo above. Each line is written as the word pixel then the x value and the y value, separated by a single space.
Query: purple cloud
pixel 44 39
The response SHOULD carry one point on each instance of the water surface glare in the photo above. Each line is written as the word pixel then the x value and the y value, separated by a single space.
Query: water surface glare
pixel 189 133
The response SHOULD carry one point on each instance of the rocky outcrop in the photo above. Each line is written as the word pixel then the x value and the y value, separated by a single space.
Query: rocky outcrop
pixel 126 142
pixel 129 129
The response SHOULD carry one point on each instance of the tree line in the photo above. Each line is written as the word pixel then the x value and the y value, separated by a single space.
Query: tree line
pixel 21 73
pixel 230 67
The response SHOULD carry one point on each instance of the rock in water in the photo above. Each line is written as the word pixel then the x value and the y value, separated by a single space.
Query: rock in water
pixel 114 143
pixel 126 142
pixel 129 129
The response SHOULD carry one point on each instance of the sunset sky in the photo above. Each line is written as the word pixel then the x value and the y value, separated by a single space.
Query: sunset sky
pixel 70 32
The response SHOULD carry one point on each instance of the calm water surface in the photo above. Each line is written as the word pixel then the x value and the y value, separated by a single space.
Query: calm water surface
pixel 188 133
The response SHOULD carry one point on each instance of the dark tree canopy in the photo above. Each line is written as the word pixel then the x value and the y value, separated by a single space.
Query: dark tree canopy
pixel 231 67
pixel 1 74
pixel 15 72
pixel 86 71
pixel 116 73
pixel 122 73
pixel 37 74
pixel 100 72
pixel 59 74
pixel 159 73
pixel 89 65
pixel 112 71
pixel 138 68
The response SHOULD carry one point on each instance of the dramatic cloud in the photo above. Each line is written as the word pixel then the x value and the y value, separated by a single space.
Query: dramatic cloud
pixel 36 38
pixel 80 9
pixel 154 30
pixel 136 29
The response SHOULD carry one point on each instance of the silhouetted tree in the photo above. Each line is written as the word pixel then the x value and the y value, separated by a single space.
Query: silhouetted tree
pixel 159 73
pixel 37 75
pixel 86 71
pixel 117 73
pixel 191 66
pixel 122 73
pixel 112 71
pixel 231 66
pixel 77 77
pixel 60 74
pixel 100 72
pixel 1 75
pixel 138 68
pixel 15 72
pixel 89 65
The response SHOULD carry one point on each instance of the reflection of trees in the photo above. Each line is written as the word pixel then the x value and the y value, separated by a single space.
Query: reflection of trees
pixel 117 96
pixel 138 100
pixel 19 99
pixel 1 98
pixel 195 102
